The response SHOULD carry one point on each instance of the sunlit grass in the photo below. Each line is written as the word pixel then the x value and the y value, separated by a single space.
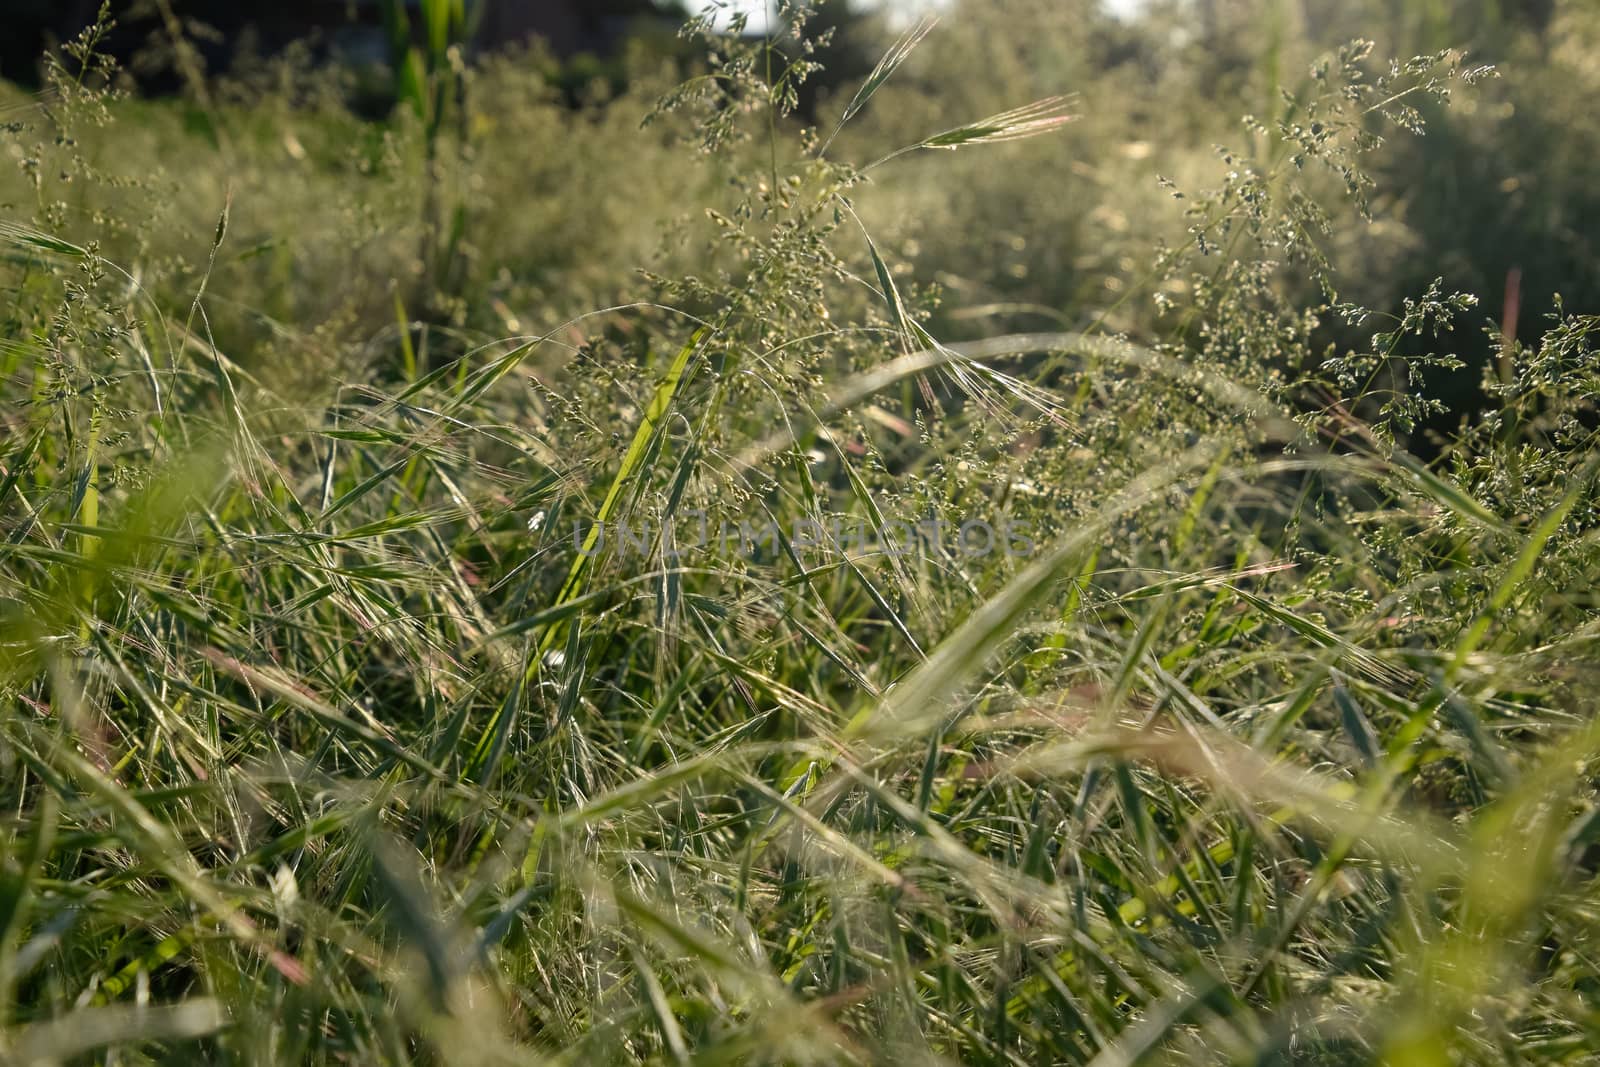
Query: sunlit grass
pixel 337 730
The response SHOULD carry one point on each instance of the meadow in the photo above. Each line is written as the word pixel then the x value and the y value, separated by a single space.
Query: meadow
pixel 1073 543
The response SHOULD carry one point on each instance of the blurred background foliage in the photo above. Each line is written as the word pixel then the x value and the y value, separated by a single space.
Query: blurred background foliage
pixel 298 112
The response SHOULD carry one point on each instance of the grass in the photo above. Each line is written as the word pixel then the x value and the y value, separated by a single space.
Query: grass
pixel 336 730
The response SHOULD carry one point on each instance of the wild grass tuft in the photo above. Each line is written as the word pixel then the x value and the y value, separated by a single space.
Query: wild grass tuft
pixel 403 662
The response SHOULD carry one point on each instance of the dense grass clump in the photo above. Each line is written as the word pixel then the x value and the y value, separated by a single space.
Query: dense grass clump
pixel 422 641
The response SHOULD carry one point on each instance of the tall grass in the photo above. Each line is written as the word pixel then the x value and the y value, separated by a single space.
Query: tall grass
pixel 464 699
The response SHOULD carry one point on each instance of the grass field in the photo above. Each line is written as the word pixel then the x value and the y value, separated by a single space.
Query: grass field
pixel 1019 570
